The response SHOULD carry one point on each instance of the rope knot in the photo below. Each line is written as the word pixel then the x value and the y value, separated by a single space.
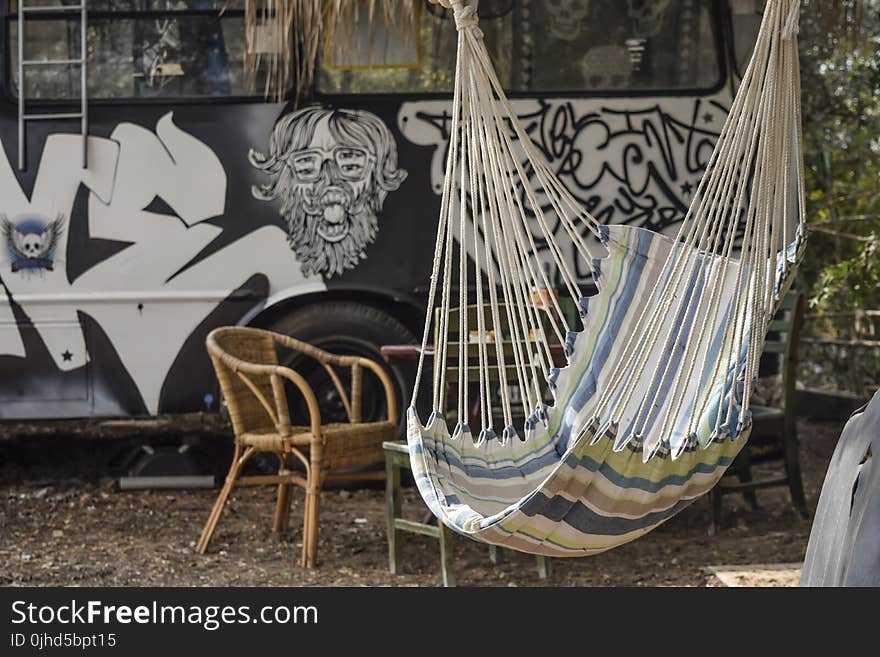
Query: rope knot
pixel 791 28
pixel 466 17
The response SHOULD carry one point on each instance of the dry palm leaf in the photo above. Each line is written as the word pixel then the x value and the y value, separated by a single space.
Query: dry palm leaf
pixel 285 38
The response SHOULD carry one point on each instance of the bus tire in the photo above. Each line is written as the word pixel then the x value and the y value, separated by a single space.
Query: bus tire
pixel 347 328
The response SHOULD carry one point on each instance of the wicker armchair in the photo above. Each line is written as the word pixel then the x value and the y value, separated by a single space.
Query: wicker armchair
pixel 253 384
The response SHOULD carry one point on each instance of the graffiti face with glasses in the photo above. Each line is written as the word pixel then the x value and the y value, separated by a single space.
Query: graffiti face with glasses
pixel 331 169
pixel 333 180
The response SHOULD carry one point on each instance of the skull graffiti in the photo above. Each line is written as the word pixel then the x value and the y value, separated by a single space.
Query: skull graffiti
pixel 30 242
pixel 32 245
pixel 647 15
pixel 606 68
pixel 331 169
pixel 566 17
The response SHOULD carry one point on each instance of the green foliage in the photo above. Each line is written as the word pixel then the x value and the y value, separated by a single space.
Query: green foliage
pixel 840 59
pixel 850 283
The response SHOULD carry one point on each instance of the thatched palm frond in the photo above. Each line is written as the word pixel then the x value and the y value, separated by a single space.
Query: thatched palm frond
pixel 286 37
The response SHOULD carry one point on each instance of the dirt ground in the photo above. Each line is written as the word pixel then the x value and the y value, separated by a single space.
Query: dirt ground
pixel 61 529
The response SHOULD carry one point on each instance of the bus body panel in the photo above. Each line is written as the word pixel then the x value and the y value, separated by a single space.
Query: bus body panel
pixel 194 215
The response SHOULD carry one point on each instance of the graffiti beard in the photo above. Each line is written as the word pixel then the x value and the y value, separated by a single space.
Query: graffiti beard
pixel 332 170
pixel 329 225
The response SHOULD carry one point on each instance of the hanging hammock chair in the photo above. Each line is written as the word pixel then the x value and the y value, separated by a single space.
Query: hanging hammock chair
pixel 653 404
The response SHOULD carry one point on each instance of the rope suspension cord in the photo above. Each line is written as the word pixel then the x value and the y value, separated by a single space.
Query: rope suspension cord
pixel 763 237
pixel 477 126
pixel 486 164
pixel 653 404
pixel 714 206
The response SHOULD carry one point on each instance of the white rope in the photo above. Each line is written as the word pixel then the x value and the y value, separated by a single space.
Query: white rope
pixel 494 173
pixel 768 226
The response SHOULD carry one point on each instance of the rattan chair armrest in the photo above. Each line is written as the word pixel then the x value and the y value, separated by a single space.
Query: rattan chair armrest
pixel 238 365
pixel 387 384
pixel 344 361
pixel 300 439
pixel 308 394
pixel 316 353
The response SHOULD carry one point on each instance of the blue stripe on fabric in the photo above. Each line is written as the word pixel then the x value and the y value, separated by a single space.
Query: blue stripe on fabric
pixel 526 457
pixel 585 520
pixel 618 479
pixel 472 470
pixel 586 385
pixel 624 481
pixel 670 358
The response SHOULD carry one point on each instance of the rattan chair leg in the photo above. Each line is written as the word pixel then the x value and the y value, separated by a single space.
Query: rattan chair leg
pixel 282 506
pixel 310 538
pixel 283 503
pixel 313 495
pixel 307 508
pixel 238 461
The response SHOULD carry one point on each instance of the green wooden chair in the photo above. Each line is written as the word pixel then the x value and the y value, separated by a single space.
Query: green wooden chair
pixel 772 426
pixel 397 459
pixel 397 454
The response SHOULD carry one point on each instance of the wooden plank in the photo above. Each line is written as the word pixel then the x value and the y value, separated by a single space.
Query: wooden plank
pixel 395 447
pixel 753 485
pixel 263 480
pixel 447 570
pixel 392 500
pixel 843 343
pixel 416 527
pixel 203 424
pixel 779 326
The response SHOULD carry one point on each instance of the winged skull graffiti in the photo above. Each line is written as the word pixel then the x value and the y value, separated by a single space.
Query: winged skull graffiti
pixel 31 242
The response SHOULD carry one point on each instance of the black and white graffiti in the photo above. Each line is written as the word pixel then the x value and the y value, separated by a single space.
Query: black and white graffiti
pixel 331 169
pixel 31 241
pixel 636 164
pixel 144 227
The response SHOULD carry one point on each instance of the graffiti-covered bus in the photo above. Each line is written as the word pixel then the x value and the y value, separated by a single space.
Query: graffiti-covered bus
pixel 155 193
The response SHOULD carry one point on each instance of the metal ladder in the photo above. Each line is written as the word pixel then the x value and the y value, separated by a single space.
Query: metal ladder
pixel 23 64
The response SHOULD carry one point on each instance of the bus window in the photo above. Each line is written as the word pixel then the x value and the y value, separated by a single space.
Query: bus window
pixel 622 45
pixel 543 46
pixel 746 16
pixel 138 49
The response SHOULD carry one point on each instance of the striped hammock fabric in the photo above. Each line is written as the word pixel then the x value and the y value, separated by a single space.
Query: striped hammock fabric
pixel 562 494
pixel 653 404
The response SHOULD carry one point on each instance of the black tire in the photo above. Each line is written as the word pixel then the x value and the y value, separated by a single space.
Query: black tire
pixel 349 328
